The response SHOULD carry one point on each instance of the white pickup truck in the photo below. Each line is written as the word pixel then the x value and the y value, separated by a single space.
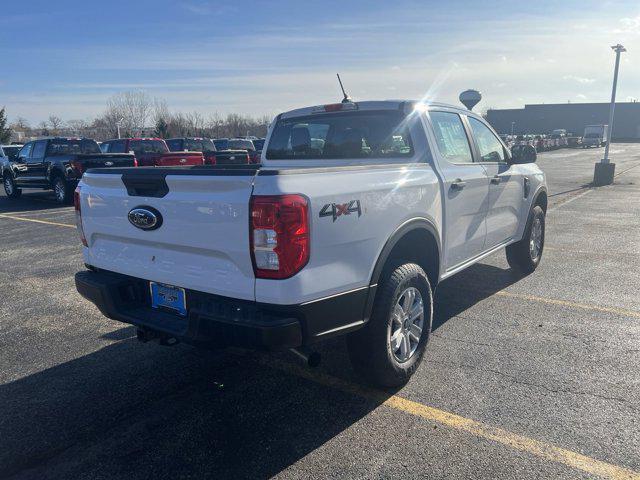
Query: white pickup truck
pixel 356 213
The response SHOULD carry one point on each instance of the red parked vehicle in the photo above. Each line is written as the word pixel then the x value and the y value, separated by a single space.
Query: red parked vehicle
pixel 195 144
pixel 152 152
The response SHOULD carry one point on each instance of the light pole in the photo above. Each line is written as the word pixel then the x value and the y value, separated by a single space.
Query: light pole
pixel 604 170
pixel 118 125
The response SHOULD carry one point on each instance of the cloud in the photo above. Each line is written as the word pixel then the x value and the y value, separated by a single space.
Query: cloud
pixel 630 25
pixel 582 80
pixel 581 96
pixel 207 8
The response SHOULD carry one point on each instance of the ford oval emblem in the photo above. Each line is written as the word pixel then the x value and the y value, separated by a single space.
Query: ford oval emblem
pixel 145 218
pixel 108 164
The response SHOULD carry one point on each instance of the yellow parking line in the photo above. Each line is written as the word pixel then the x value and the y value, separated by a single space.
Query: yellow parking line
pixel 565 303
pixel 13 217
pixel 514 441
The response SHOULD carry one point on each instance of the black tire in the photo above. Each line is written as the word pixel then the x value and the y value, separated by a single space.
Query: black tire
pixel 371 353
pixel 10 188
pixel 63 190
pixel 522 256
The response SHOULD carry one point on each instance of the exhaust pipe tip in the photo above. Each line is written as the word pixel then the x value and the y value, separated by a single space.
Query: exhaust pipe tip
pixel 312 359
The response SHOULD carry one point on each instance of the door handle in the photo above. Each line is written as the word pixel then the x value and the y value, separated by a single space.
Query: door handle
pixel 458 184
pixel 496 179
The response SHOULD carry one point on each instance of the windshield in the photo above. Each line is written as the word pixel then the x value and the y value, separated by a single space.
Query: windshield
pixel 221 144
pixel 241 145
pixel 199 145
pixel 11 151
pixel 72 147
pixel 147 146
pixel 373 134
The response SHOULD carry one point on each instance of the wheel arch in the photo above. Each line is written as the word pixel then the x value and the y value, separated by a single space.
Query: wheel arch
pixel 401 246
pixel 54 172
pixel 541 199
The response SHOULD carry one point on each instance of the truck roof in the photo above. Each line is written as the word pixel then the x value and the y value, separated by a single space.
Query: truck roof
pixel 370 105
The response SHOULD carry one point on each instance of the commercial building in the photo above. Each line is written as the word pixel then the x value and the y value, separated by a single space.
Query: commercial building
pixel 543 118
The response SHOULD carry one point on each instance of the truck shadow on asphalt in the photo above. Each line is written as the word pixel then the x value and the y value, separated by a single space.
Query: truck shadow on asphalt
pixel 30 201
pixel 131 410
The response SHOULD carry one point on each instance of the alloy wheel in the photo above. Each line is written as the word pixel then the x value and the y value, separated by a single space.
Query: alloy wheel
pixel 407 323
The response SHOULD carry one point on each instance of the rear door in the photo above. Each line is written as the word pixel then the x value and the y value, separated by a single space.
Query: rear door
pixel 466 189
pixel 506 188
pixel 202 241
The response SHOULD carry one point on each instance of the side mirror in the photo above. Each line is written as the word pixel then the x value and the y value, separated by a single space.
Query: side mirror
pixel 523 154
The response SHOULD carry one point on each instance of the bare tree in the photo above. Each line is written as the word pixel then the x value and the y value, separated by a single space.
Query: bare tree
pixel 78 126
pixel 215 125
pixel 55 123
pixel 129 109
pixel 21 124
pixel 195 124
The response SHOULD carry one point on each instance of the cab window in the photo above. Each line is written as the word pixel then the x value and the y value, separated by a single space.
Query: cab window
pixel 38 149
pixel 116 146
pixel 491 149
pixel 451 137
pixel 26 151
pixel 174 145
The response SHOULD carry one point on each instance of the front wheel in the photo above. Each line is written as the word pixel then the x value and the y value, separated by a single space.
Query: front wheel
pixel 526 254
pixel 390 347
pixel 10 187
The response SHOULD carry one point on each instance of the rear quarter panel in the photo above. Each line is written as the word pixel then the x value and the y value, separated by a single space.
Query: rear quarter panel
pixel 345 248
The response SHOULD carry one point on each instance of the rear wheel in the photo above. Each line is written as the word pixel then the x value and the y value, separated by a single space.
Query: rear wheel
pixel 389 349
pixel 62 190
pixel 526 254
pixel 10 186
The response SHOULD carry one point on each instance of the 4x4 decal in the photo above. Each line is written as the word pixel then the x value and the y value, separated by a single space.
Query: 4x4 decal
pixel 336 210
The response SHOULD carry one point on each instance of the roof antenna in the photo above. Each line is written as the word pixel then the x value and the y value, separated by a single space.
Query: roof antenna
pixel 346 98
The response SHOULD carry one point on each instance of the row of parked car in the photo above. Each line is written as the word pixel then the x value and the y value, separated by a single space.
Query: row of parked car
pixel 542 142
pixel 58 163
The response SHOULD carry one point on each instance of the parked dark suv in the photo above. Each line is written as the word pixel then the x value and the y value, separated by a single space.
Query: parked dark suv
pixel 56 164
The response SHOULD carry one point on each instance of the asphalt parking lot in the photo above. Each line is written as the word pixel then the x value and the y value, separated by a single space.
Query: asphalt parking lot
pixel 535 377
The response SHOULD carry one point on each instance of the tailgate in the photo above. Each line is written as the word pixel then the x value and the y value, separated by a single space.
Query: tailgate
pixel 106 160
pixel 232 157
pixel 202 242
pixel 180 158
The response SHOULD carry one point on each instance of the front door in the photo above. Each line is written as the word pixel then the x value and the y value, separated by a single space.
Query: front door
pixel 36 168
pixel 20 165
pixel 466 190
pixel 506 189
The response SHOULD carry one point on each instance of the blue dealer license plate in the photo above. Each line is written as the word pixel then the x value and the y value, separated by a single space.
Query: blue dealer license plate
pixel 167 296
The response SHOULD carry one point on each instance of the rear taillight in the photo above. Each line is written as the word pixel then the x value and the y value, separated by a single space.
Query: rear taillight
pixel 78 167
pixel 211 160
pixel 280 241
pixel 76 204
pixel 135 162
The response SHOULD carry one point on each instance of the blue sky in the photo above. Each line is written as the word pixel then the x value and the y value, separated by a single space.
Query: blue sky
pixel 67 57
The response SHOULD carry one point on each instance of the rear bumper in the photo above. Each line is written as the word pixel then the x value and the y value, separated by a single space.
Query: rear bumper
pixel 217 321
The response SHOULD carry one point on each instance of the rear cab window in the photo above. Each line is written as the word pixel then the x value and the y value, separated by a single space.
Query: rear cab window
pixel 341 135
pixel 60 147
pixel 174 145
pixel 147 146
pixel 199 145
